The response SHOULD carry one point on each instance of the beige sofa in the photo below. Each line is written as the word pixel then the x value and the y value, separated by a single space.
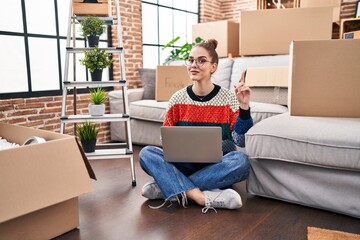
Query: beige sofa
pixel 311 161
pixel 148 114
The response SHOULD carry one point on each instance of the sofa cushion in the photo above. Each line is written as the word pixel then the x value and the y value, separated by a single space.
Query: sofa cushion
pixel 223 73
pixel 260 111
pixel 317 141
pixel 147 76
pixel 149 110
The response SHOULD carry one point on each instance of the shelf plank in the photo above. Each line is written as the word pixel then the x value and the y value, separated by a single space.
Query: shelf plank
pixel 109 154
pixel 94 83
pixel 103 118
pixel 82 49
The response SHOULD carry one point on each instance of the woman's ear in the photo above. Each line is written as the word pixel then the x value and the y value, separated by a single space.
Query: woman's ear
pixel 213 68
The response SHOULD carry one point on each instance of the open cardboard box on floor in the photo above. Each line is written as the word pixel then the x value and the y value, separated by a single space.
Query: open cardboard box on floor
pixel 268 84
pixel 40 184
pixel 170 79
pixel 324 78
pixel 270 31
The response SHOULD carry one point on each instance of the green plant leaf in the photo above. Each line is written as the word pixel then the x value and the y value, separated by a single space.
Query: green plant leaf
pixel 98 96
pixel 87 131
pixel 93 26
pixel 171 43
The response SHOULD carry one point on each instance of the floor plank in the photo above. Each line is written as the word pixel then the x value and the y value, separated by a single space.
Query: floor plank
pixel 116 210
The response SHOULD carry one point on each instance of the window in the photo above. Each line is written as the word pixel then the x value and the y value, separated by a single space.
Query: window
pixel 162 21
pixel 32 50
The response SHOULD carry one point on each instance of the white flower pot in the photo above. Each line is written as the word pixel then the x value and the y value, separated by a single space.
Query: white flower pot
pixel 96 110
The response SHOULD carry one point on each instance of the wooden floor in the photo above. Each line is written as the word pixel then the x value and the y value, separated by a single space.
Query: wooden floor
pixel 116 210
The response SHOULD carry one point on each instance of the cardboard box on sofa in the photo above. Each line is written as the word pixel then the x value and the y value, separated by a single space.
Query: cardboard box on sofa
pixel 335 4
pixel 170 79
pixel 225 32
pixel 40 184
pixel 268 84
pixel 270 31
pixel 324 78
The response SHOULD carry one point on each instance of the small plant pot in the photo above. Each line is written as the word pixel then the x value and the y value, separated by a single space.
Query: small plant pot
pixel 88 145
pixel 96 75
pixel 96 110
pixel 93 40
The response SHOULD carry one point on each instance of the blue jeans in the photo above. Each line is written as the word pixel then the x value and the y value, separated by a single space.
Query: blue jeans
pixel 176 178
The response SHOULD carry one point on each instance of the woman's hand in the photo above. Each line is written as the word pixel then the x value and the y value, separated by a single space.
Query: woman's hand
pixel 243 93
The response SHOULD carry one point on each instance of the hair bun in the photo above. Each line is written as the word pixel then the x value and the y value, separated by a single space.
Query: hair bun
pixel 212 42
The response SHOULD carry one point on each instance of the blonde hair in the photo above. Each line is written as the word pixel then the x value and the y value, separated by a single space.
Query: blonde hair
pixel 210 46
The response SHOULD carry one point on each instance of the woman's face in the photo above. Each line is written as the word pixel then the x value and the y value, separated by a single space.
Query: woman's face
pixel 201 66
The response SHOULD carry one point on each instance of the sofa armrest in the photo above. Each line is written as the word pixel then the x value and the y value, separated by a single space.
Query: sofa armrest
pixel 134 94
pixel 116 100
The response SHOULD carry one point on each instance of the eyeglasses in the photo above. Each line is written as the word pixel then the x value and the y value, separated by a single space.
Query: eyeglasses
pixel 199 62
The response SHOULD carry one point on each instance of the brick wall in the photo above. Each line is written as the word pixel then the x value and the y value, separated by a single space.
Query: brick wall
pixel 45 112
pixel 215 10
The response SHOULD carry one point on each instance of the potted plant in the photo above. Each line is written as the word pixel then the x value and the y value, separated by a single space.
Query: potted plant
pixel 97 98
pixel 96 60
pixel 87 132
pixel 181 53
pixel 92 28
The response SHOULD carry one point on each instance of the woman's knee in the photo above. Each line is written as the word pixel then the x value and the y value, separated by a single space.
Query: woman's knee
pixel 237 160
pixel 149 153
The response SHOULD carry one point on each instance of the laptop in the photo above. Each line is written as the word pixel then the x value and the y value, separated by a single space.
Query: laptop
pixel 192 144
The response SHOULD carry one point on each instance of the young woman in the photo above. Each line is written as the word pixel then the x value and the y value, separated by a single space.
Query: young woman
pixel 203 103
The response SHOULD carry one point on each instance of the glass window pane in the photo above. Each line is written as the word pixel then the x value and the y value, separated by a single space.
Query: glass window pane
pixel 164 54
pixel 149 24
pixel 191 20
pixel 44 67
pixel 63 14
pixel 168 3
pixel 151 1
pixel 180 4
pixel 40 17
pixel 11 10
pixel 150 56
pixel 180 27
pixel 166 25
pixel 13 72
pixel 192 5
pixel 79 69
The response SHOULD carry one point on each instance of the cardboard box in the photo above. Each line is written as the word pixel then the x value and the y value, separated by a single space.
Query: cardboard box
pixel 40 184
pixel 268 84
pixel 170 79
pixel 266 32
pixel 225 32
pixel 102 8
pixel 325 78
pixel 335 4
pixel 352 35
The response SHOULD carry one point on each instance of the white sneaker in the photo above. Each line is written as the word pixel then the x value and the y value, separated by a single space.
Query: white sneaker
pixel 227 198
pixel 152 191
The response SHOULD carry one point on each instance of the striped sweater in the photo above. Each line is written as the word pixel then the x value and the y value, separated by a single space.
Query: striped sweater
pixel 219 108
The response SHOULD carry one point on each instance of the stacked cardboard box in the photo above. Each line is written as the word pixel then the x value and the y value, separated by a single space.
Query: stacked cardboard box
pixel 225 32
pixel 40 184
pixel 334 4
pixel 268 32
